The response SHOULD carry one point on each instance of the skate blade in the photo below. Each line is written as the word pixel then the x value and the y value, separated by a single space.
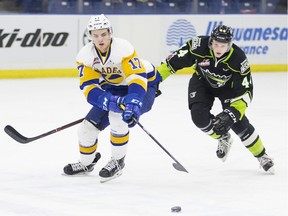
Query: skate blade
pixel 223 159
pixel 103 180
pixel 78 174
pixel 271 171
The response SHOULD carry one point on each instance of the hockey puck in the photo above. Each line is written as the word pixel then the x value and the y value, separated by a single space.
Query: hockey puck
pixel 176 209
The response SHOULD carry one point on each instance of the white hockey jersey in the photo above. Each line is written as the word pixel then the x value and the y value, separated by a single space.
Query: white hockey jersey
pixel 120 67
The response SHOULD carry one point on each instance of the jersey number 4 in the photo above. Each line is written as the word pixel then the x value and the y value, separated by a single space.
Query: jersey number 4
pixel 182 53
pixel 247 81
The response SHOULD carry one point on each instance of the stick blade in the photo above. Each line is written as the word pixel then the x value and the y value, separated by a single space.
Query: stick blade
pixel 179 167
pixel 14 134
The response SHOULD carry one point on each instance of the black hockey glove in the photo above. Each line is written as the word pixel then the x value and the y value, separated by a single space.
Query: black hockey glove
pixel 224 121
pixel 158 91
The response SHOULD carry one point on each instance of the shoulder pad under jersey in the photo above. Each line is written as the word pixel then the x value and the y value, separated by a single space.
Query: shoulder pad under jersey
pixel 238 60
pixel 85 55
pixel 121 48
pixel 148 66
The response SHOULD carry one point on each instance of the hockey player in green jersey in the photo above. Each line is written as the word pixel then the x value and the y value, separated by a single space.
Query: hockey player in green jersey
pixel 221 71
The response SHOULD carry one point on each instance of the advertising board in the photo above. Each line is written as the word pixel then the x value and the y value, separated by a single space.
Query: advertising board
pixel 46 45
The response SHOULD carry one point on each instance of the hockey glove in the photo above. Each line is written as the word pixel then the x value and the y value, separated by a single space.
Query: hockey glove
pixel 131 114
pixel 224 121
pixel 158 91
pixel 109 102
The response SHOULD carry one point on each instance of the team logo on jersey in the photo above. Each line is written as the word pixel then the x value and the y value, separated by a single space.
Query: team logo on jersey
pixel 179 32
pixel 244 66
pixel 195 42
pixel 205 62
pixel 96 60
pixel 112 75
pixel 110 71
pixel 192 94
pixel 215 80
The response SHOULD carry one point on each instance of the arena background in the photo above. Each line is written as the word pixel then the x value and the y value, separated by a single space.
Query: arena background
pixel 46 44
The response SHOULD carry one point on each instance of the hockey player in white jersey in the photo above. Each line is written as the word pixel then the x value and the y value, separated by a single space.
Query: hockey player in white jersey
pixel 111 73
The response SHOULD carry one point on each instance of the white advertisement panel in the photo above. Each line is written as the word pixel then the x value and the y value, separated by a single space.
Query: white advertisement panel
pixel 52 41
pixel 31 42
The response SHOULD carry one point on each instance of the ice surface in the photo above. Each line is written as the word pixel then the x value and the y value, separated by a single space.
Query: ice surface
pixel 32 184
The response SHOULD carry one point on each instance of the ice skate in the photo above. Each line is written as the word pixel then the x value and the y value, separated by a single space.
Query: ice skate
pixel 112 170
pixel 266 163
pixel 79 168
pixel 224 144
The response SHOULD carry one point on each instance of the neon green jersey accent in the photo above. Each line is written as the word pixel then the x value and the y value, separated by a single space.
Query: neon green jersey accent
pixel 164 71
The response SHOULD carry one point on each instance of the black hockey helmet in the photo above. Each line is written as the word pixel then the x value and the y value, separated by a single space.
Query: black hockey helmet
pixel 223 34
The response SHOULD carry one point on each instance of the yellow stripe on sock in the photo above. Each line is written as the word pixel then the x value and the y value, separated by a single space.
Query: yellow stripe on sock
pixel 88 150
pixel 119 140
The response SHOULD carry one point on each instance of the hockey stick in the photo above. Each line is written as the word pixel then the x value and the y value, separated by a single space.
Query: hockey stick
pixel 177 165
pixel 14 134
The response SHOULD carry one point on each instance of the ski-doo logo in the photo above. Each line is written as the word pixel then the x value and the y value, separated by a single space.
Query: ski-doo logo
pixel 32 39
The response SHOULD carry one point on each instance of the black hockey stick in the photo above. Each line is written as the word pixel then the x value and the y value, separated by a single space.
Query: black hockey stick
pixel 13 133
pixel 177 165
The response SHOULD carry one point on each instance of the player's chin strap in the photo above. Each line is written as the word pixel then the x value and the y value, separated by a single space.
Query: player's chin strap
pixel 178 166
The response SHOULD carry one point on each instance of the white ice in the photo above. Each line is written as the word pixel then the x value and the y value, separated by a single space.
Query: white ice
pixel 32 184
